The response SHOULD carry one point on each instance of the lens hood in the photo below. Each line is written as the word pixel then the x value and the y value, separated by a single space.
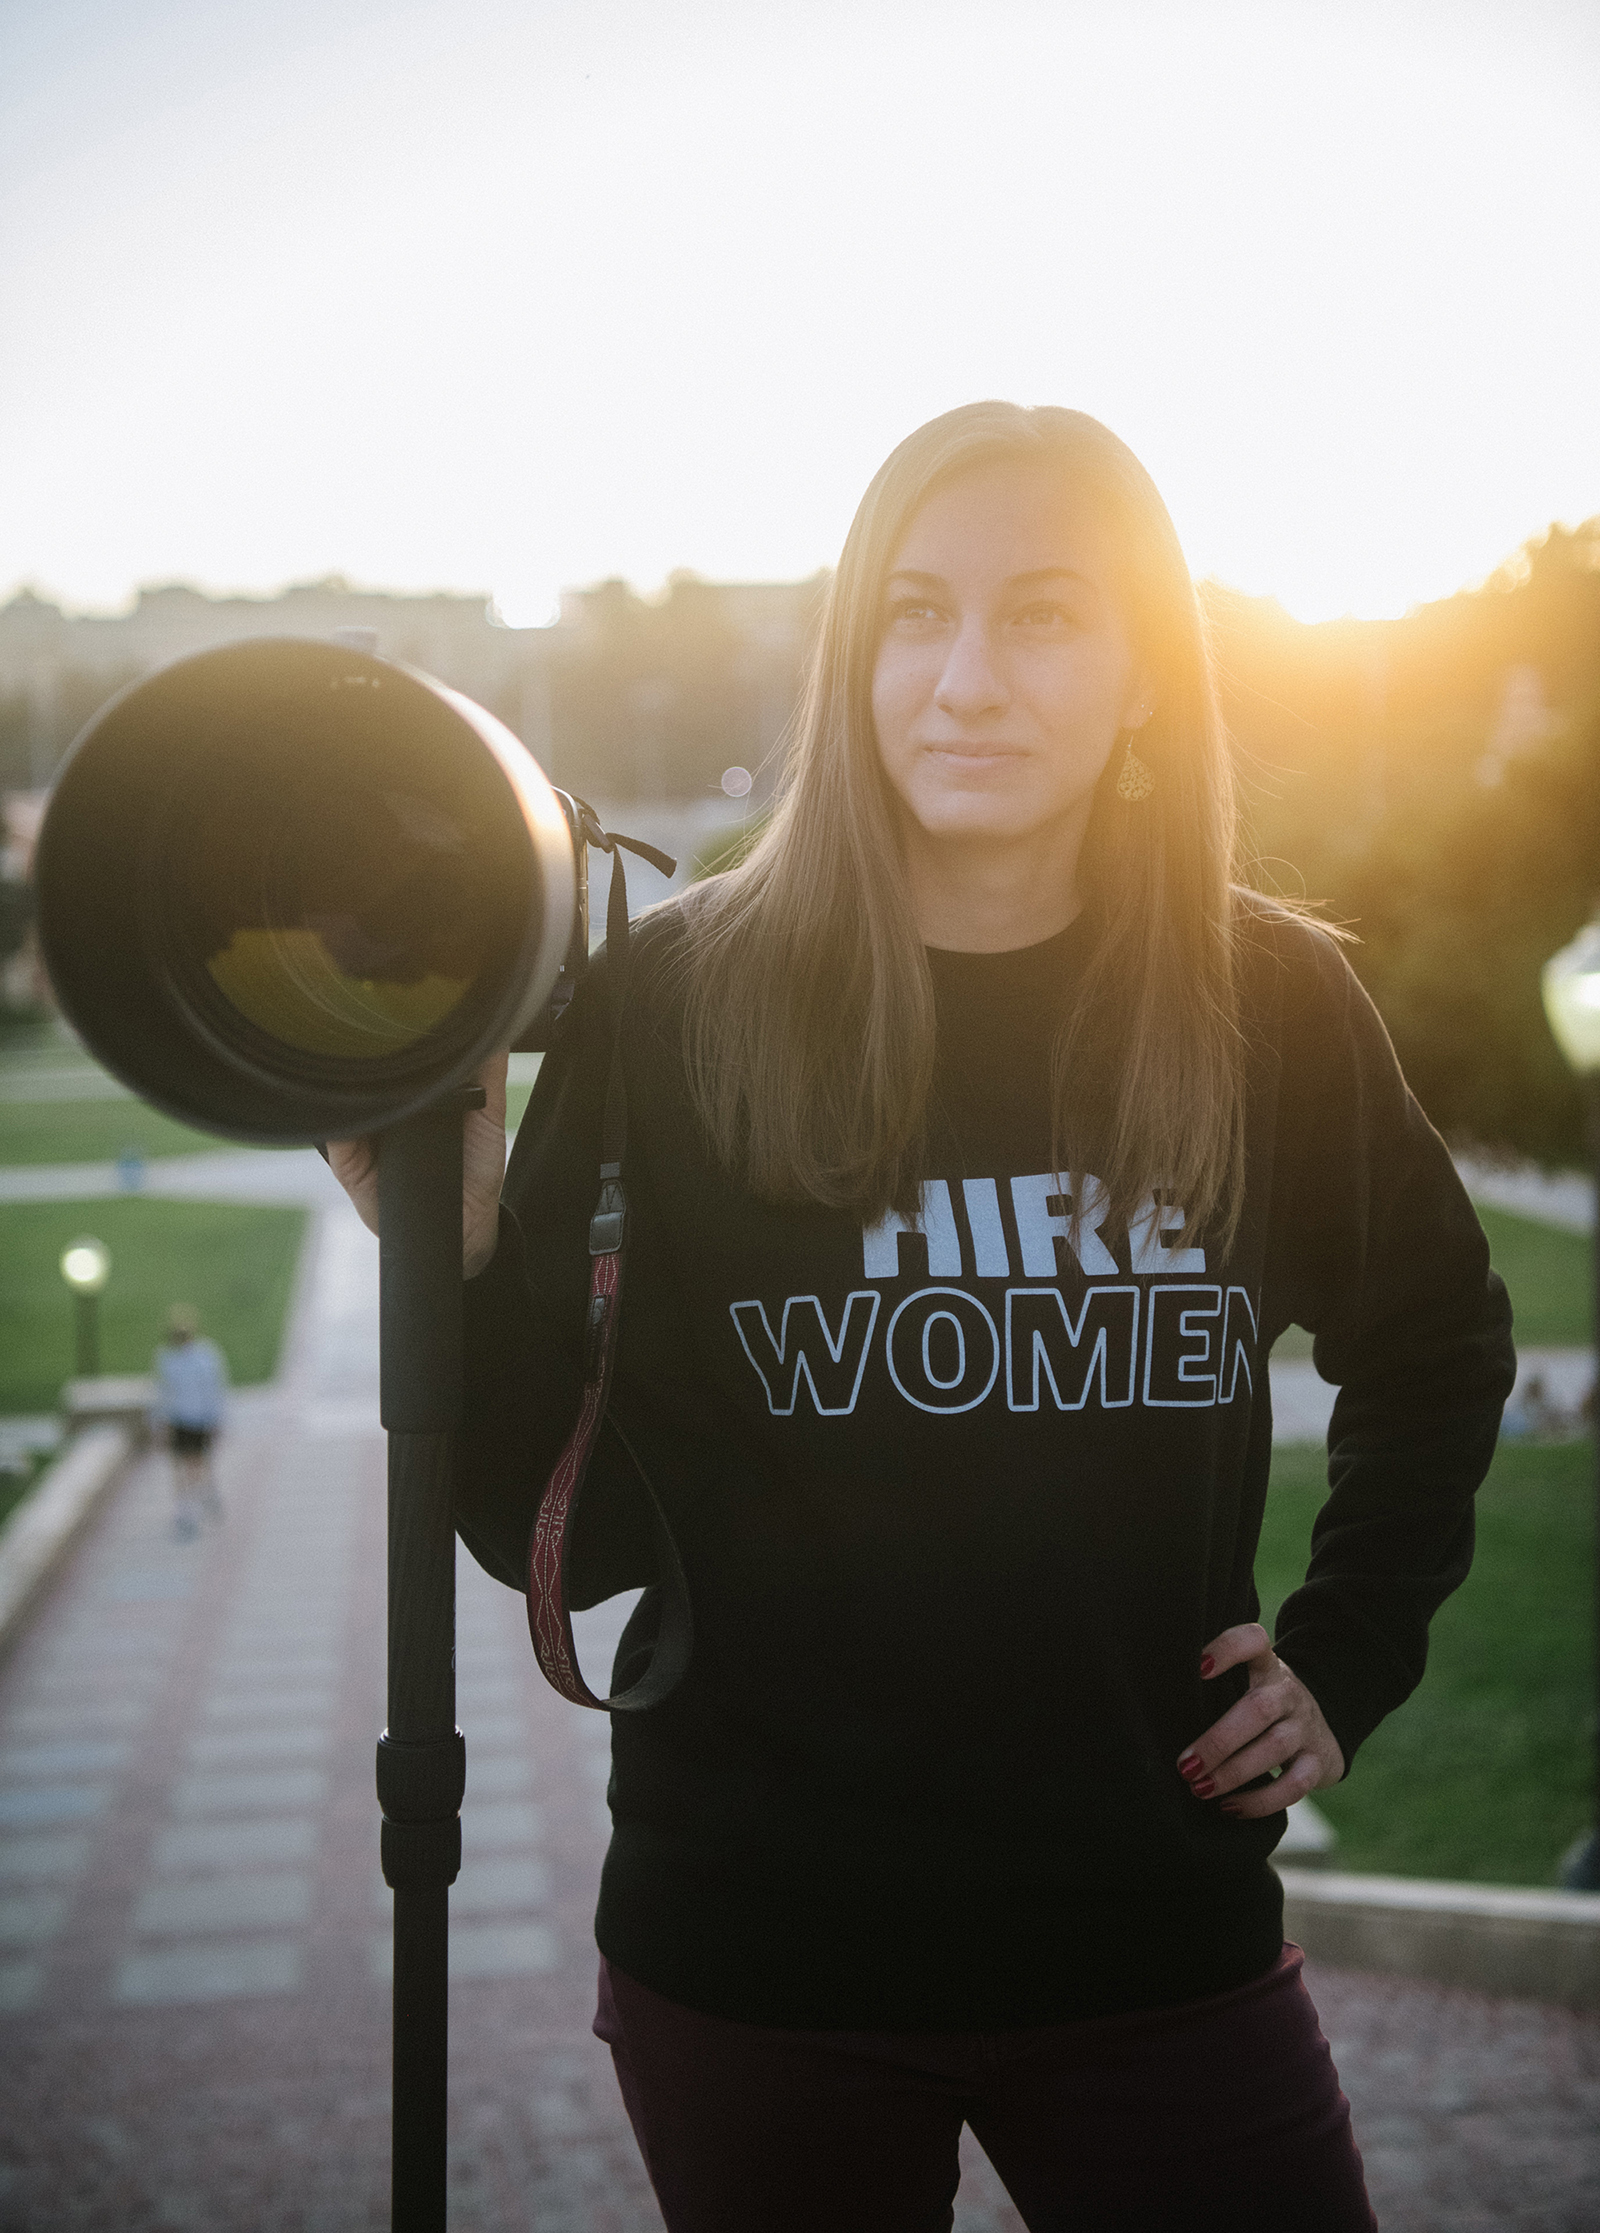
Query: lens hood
pixel 289 891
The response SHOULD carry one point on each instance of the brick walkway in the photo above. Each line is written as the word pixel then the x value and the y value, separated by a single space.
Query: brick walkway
pixel 193 1932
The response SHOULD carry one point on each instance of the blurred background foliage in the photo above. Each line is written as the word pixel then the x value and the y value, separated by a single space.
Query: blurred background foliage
pixel 1433 784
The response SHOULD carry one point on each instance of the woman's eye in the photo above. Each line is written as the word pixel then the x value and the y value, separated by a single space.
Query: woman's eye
pixel 1044 616
pixel 912 612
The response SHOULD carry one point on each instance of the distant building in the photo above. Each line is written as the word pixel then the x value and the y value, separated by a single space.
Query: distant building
pixel 634 697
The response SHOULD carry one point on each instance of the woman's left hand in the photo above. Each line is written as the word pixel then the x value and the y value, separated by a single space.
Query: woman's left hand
pixel 1276 1724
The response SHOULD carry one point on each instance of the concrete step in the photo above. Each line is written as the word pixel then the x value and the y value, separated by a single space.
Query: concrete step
pixel 1515 1942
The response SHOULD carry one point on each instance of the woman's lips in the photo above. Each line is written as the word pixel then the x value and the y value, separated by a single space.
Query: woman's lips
pixel 973 755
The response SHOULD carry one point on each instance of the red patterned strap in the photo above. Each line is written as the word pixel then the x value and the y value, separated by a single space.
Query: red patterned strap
pixel 549 1617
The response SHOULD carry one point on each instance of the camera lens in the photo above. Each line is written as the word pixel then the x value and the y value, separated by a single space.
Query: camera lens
pixel 286 888
pixel 332 893
pixel 349 932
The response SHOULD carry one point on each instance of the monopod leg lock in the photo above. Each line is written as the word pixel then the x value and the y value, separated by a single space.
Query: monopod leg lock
pixel 420 1789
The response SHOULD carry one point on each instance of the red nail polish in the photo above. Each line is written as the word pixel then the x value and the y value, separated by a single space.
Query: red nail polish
pixel 1191 1765
pixel 1236 1812
pixel 1203 1790
pixel 1206 1665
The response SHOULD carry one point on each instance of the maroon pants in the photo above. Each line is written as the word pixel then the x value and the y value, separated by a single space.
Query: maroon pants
pixel 1220 2113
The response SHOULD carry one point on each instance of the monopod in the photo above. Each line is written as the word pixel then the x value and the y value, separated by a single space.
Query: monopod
pixel 290 892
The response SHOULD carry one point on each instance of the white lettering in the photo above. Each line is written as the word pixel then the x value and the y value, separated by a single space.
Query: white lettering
pixel 1176 1315
pixel 1238 1349
pixel 944 1350
pixel 1151 1220
pixel 807 1349
pixel 1044 1217
pixel 1043 1341
pixel 935 1219
pixel 993 1258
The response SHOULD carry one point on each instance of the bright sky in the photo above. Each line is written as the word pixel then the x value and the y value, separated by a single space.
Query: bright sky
pixel 511 294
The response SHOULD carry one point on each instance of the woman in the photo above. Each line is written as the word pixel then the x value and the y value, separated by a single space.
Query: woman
pixel 984 1135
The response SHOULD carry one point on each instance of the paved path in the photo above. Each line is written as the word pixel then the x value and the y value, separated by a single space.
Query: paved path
pixel 231 1175
pixel 1564 1198
pixel 193 2014
pixel 1302 1402
pixel 195 1980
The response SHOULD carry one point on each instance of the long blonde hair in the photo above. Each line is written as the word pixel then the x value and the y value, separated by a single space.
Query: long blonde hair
pixel 809 1016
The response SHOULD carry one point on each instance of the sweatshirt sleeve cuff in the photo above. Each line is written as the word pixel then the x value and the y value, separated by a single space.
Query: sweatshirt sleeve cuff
pixel 1351 1707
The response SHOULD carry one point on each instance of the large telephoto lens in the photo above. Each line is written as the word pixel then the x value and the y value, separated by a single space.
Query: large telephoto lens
pixel 288 891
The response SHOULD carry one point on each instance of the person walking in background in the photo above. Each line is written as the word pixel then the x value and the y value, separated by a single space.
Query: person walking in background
pixel 192 1379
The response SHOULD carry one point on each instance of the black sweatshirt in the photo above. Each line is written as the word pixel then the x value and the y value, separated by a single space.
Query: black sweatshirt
pixel 959 1510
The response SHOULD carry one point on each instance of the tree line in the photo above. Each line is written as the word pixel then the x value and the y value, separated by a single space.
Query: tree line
pixel 1433 784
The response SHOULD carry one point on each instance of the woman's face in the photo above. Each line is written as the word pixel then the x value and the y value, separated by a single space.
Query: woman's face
pixel 1004 668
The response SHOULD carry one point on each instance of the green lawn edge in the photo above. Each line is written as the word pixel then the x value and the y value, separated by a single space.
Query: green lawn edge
pixel 1548 1274
pixel 35 1133
pixel 1486 1774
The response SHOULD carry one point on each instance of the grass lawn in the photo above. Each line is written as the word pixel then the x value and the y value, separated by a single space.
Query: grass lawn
pixel 1486 1773
pixel 95 1132
pixel 235 1265
pixel 15 1486
pixel 99 1131
pixel 1550 1277
pixel 1548 1274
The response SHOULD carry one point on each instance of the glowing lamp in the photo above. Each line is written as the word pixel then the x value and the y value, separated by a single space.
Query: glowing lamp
pixel 1571 986
pixel 86 1266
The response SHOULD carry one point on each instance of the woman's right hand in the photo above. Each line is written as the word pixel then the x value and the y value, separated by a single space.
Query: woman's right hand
pixel 354 1163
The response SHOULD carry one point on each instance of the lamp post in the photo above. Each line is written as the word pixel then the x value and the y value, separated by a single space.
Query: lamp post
pixel 86 1266
pixel 1571 986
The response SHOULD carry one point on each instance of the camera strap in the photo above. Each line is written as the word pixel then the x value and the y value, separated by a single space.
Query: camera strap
pixel 549 1617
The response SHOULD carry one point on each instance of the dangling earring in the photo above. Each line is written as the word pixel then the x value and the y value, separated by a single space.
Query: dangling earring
pixel 1134 779
pixel 1135 782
